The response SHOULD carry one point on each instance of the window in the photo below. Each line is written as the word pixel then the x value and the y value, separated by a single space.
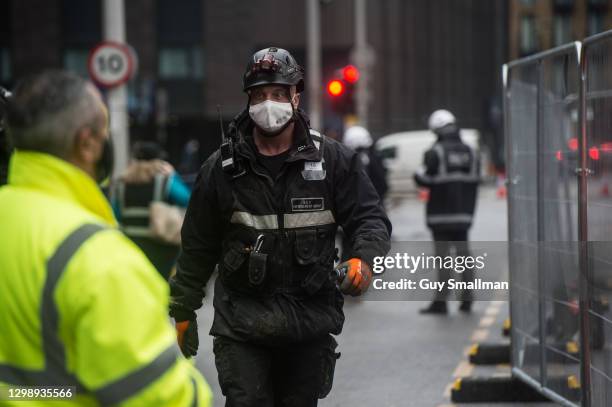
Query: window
pixel 5 65
pixel 5 41
pixel 141 99
pixel 562 29
pixel 180 62
pixel 528 35
pixel 564 5
pixel 75 60
pixel 81 30
pixel 180 57
pixel 81 21
pixel 528 2
pixel 388 153
pixel 595 23
pixel 180 39
pixel 599 4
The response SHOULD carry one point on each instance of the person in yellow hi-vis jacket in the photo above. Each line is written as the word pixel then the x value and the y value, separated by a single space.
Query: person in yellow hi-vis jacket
pixel 81 307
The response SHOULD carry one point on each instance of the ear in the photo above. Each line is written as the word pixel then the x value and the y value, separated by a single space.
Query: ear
pixel 296 100
pixel 85 147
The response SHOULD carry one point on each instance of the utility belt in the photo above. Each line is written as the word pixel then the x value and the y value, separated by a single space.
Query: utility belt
pixel 263 263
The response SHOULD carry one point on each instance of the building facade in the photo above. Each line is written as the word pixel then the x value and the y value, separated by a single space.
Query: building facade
pixel 537 25
pixel 429 54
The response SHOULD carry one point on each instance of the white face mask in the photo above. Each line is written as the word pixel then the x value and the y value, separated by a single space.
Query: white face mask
pixel 271 116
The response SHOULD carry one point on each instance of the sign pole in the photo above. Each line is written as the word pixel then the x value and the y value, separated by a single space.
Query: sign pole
pixel 313 82
pixel 114 30
pixel 362 55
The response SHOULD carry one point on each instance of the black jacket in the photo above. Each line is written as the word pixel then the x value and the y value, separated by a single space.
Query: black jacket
pixel 375 170
pixel 451 172
pixel 321 185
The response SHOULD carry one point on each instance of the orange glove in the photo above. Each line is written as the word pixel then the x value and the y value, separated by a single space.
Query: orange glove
pixel 186 326
pixel 354 277
pixel 187 337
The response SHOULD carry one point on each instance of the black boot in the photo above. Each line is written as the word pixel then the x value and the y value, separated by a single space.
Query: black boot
pixel 466 306
pixel 436 307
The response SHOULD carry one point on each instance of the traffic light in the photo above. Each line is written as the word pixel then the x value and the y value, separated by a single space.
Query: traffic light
pixel 350 74
pixel 335 88
pixel 341 90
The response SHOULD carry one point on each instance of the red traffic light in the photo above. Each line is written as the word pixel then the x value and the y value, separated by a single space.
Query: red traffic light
pixel 350 73
pixel 335 87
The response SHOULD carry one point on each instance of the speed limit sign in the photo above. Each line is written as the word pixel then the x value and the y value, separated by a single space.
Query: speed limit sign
pixel 111 64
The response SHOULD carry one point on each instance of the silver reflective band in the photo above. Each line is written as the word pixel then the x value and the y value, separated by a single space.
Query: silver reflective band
pixel 53 348
pixel 158 187
pixel 441 159
pixel 135 211
pixel 317 143
pixel 55 372
pixel 255 221
pixel 456 218
pixel 444 176
pixel 137 231
pixel 121 196
pixel 194 383
pixel 307 219
pixel 452 177
pixel 474 169
pixel 124 388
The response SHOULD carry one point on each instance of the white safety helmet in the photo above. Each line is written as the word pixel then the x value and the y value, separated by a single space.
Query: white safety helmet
pixel 356 137
pixel 440 119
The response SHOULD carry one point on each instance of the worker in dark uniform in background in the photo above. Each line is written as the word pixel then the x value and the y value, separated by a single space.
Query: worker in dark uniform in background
pixel 451 172
pixel 266 207
pixel 358 138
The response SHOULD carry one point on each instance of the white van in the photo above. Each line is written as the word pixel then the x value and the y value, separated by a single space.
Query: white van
pixel 402 154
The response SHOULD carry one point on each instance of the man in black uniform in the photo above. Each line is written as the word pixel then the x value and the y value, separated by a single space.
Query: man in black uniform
pixel 451 172
pixel 265 208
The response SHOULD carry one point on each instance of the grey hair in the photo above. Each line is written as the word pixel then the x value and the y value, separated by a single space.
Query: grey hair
pixel 48 109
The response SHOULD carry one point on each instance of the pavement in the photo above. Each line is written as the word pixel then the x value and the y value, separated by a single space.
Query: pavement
pixel 391 355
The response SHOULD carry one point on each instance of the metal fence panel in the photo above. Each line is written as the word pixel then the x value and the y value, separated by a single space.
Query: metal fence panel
pixel 598 119
pixel 558 220
pixel 542 124
pixel 521 110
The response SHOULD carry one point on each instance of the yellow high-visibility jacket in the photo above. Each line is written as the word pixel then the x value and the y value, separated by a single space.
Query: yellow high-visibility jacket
pixel 80 305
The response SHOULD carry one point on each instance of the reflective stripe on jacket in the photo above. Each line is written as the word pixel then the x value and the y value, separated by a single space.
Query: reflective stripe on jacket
pixel 451 172
pixel 282 289
pixel 79 304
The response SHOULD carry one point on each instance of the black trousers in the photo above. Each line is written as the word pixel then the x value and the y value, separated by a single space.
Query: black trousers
pixel 295 375
pixel 452 242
